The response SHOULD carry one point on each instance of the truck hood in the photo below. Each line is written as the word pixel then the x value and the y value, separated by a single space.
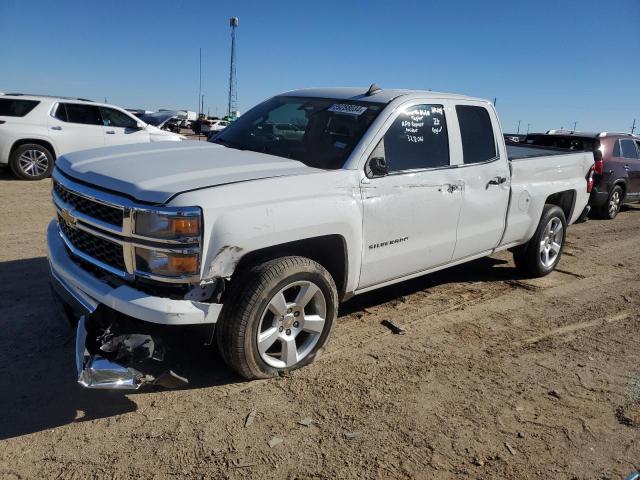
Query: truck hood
pixel 156 172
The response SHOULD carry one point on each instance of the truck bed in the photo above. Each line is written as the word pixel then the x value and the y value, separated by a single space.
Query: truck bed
pixel 517 152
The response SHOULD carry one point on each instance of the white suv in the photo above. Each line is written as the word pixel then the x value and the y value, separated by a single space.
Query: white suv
pixel 35 130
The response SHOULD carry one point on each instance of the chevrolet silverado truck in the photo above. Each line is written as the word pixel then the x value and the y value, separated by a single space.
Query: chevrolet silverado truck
pixel 256 237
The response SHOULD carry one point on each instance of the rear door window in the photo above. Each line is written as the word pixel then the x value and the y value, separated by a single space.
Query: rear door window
pixel 417 139
pixel 84 114
pixel 478 139
pixel 629 149
pixel 10 107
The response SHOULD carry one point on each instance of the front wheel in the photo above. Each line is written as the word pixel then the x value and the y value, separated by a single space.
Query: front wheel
pixel 540 255
pixel 277 317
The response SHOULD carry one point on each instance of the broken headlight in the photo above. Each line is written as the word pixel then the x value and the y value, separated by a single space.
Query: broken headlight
pixel 171 246
pixel 169 225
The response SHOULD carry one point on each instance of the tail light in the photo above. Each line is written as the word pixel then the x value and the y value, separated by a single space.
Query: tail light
pixel 590 178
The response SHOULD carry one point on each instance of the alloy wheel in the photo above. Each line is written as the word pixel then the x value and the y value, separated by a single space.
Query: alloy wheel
pixel 551 243
pixel 291 324
pixel 33 163
pixel 614 203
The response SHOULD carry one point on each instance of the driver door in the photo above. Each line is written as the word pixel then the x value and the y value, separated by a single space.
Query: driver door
pixel 411 213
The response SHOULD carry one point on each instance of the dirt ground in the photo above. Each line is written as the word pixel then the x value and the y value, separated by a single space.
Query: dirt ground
pixel 497 377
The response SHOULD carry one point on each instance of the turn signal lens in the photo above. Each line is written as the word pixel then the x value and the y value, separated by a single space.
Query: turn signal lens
pixel 183 263
pixel 184 226
pixel 167 264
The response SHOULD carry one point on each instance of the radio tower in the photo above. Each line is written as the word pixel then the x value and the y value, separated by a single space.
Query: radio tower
pixel 233 88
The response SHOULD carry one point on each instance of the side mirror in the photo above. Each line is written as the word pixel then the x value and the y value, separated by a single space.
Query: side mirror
pixel 140 126
pixel 378 167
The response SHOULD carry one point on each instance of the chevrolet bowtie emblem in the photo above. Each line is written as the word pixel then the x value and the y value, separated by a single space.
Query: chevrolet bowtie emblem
pixel 67 217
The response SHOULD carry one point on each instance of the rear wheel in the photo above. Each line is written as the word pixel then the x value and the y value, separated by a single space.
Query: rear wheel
pixel 277 317
pixel 540 255
pixel 31 162
pixel 610 210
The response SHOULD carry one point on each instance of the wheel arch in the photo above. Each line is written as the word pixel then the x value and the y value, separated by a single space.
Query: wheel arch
pixel 330 251
pixel 622 183
pixel 37 141
pixel 566 200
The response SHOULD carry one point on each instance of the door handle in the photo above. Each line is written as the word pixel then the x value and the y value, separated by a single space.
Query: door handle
pixel 497 181
pixel 56 128
pixel 110 132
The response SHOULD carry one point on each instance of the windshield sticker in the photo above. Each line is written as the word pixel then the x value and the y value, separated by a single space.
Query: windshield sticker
pixel 347 109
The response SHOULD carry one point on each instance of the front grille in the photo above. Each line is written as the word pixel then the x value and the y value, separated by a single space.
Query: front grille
pixel 93 209
pixel 96 247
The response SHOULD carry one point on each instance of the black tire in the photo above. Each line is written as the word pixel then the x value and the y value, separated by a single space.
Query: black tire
pixel 31 162
pixel 247 300
pixel 529 257
pixel 610 210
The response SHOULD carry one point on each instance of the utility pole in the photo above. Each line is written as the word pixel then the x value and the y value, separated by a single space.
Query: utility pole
pixel 528 126
pixel 233 88
pixel 633 127
pixel 202 105
pixel 200 85
pixel 518 132
pixel 575 124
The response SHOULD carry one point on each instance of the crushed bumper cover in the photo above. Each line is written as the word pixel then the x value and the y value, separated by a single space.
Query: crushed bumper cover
pixel 97 371
pixel 70 280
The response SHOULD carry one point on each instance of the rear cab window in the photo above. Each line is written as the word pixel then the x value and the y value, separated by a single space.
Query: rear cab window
pixel 417 139
pixel 476 131
pixel 10 107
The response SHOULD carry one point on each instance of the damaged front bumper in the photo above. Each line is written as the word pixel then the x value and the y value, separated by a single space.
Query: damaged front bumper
pixel 99 372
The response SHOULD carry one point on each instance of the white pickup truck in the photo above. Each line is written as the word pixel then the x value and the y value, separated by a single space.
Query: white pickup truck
pixel 258 237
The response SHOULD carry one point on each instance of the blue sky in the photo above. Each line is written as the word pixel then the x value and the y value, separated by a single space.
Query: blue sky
pixel 548 62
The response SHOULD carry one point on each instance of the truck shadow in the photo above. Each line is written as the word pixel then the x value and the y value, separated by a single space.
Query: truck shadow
pixel 481 270
pixel 37 367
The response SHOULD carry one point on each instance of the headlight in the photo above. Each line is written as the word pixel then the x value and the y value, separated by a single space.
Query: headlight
pixel 168 226
pixel 166 263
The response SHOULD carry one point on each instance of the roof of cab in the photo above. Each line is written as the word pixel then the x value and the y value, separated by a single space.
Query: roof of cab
pixel 29 96
pixel 381 96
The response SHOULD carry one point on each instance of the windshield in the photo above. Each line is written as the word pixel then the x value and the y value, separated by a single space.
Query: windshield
pixel 319 132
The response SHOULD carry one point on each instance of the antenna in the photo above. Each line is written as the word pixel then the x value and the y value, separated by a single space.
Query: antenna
pixel 495 100
pixel 373 89
pixel 518 132
pixel 633 127
pixel 200 85
pixel 233 88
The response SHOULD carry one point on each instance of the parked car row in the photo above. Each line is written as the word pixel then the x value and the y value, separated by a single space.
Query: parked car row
pixel 36 130
pixel 308 199
pixel 616 178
